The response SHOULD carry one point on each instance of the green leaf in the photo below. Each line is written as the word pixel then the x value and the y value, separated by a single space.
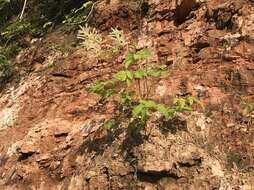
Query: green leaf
pixel 100 88
pixel 125 97
pixel 185 104
pixel 129 74
pixel 142 54
pixel 129 60
pixel 162 109
pixel 156 70
pixel 148 103
pixel 180 104
pixel 191 100
pixel 121 76
pixel 162 67
pixel 110 124
pixel 109 93
pixel 166 112
pixel 139 74
pixel 96 86
pixel 141 112
pixel 84 6
pixel 137 110
pixel 154 73
pixel 144 115
pixel 187 108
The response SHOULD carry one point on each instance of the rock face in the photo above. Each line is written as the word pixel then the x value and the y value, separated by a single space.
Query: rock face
pixel 7 118
pixel 183 9
pixel 50 126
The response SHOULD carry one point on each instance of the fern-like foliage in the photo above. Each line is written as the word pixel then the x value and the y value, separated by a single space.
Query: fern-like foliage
pixel 91 40
pixel 102 48
pixel 119 39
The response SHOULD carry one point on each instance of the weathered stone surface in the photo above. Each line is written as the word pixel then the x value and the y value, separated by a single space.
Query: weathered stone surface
pixel 183 9
pixel 7 118
pixel 52 135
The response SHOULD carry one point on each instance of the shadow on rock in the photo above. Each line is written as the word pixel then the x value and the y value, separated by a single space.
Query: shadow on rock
pixel 100 141
pixel 172 126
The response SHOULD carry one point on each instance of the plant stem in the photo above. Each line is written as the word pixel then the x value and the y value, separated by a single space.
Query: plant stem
pixel 146 83
pixel 139 89
pixel 23 10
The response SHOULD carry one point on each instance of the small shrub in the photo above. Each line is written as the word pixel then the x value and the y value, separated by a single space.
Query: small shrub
pixel 91 40
pixel 15 30
pixel 119 40
pixel 137 103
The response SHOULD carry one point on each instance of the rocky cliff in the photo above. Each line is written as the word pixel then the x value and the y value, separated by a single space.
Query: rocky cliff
pixel 50 126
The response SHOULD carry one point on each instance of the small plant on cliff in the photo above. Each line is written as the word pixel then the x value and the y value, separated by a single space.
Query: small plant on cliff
pixel 91 40
pixel 119 40
pixel 15 30
pixel 136 103
pixel 78 15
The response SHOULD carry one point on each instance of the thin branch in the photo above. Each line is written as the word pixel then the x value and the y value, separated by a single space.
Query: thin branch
pixel 23 10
